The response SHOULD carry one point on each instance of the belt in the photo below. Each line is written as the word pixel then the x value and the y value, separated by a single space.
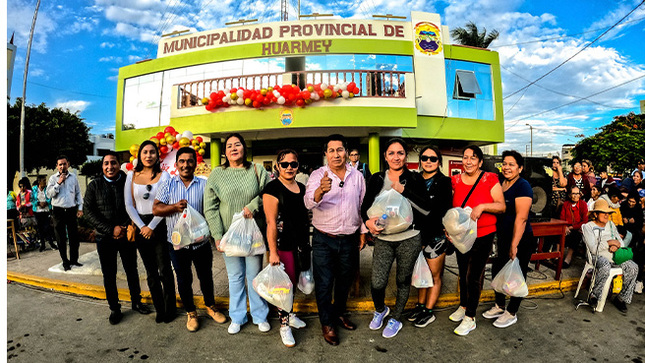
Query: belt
pixel 63 208
pixel 196 245
pixel 335 236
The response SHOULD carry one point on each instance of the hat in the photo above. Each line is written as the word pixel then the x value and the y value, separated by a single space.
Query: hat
pixel 601 205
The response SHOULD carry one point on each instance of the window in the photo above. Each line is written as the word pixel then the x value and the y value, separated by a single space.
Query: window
pixel 466 86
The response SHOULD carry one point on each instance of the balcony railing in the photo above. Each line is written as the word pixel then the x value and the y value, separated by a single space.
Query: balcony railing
pixel 390 84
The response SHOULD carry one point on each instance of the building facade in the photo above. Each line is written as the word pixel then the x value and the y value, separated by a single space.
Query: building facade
pixel 409 82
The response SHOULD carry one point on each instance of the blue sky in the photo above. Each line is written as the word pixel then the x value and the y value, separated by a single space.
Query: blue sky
pixel 80 44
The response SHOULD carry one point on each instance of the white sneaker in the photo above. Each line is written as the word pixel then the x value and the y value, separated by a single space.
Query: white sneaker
pixel 458 315
pixel 295 322
pixel 287 337
pixel 493 313
pixel 467 325
pixel 234 328
pixel 264 327
pixel 505 320
pixel 639 287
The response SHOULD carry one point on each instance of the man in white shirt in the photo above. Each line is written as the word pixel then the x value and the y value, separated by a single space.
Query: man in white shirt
pixel 67 206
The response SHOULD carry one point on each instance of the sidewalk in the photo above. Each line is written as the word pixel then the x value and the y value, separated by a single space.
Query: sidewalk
pixel 43 269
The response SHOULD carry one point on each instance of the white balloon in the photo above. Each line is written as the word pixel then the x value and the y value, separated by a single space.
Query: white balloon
pixel 276 93
pixel 135 162
pixel 187 134
pixel 240 93
pixel 336 88
pixel 240 101
pixel 323 86
pixel 343 86
pixel 124 167
pixel 281 100
pixel 226 99
pixel 345 94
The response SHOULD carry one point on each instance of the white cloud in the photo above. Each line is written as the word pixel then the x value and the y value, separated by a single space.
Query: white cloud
pixel 22 13
pixel 82 24
pixel 72 105
pixel 111 59
pixel 134 58
pixel 107 45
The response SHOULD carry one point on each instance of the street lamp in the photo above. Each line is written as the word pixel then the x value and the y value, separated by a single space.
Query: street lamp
pixel 531 127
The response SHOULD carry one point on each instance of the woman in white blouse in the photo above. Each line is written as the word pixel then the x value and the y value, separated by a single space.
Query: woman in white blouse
pixel 141 186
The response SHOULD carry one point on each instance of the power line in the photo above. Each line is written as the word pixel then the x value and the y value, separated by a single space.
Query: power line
pixel 578 52
pixel 68 91
pixel 562 36
pixel 576 101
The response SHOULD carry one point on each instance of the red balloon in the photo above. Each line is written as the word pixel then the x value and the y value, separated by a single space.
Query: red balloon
pixel 256 104
pixel 169 129
pixel 199 139
pixel 306 95
pixel 163 149
pixel 247 94
pixel 317 87
pixel 209 107
pixel 357 91
pixel 175 145
pixel 233 90
pixel 225 104
pixel 160 135
pixel 266 101
pixel 259 98
pixel 300 103
pixel 129 166
pixel 200 158
pixel 351 86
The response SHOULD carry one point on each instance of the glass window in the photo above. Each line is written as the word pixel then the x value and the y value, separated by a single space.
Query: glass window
pixel 471 85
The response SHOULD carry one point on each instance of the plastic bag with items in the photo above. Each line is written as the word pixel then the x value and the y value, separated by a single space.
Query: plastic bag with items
pixel 190 228
pixel 461 228
pixel 274 285
pixel 306 281
pixel 243 238
pixel 510 280
pixel 397 208
pixel 421 274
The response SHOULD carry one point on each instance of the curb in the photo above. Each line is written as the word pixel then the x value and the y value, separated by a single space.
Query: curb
pixel 308 305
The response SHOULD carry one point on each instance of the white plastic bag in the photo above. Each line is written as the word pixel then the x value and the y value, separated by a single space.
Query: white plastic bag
pixel 461 228
pixel 421 275
pixel 397 208
pixel 243 238
pixel 274 285
pixel 510 281
pixel 306 281
pixel 190 228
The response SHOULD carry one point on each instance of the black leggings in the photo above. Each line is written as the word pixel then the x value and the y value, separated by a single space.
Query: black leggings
pixel 471 273
pixel 525 249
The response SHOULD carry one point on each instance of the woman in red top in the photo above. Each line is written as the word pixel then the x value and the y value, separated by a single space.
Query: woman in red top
pixel 574 211
pixel 486 200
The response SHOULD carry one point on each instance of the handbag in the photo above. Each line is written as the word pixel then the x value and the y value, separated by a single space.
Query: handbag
pixel 623 255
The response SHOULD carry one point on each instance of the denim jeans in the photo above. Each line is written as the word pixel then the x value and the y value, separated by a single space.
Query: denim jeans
pixel 334 262
pixel 182 261
pixel 239 269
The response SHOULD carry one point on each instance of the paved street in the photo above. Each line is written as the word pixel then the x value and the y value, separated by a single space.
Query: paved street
pixel 44 326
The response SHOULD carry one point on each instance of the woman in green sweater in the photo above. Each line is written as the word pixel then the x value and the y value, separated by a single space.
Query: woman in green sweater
pixel 232 188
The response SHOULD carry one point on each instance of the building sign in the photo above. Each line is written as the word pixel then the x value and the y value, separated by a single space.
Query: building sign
pixel 280 38
pixel 286 117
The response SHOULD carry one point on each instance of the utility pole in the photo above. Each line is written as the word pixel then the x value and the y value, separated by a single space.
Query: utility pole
pixel 24 94
pixel 531 127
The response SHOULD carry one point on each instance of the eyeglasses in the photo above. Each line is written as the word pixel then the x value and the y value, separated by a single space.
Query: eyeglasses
pixel 147 194
pixel 432 159
pixel 293 164
pixel 353 154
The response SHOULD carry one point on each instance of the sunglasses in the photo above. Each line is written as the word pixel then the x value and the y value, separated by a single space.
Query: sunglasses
pixel 293 164
pixel 147 194
pixel 433 159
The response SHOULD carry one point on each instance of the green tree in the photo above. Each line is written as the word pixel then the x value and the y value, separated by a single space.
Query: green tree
pixel 471 36
pixel 48 133
pixel 618 145
pixel 92 169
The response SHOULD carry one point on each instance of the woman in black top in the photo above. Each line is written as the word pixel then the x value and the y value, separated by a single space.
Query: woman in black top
pixel 514 234
pixel 287 228
pixel 433 238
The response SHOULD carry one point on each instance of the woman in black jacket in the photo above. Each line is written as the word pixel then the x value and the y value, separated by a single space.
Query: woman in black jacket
pixel 439 189
pixel 404 247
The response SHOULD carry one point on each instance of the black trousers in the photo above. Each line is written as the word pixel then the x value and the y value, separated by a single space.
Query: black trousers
pixel 43 221
pixel 201 256
pixel 334 263
pixel 66 227
pixel 156 259
pixel 108 248
pixel 471 273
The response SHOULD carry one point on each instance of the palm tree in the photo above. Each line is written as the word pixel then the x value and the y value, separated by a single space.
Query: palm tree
pixel 472 37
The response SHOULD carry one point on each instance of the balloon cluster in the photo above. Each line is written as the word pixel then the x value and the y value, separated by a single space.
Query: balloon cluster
pixel 282 95
pixel 167 141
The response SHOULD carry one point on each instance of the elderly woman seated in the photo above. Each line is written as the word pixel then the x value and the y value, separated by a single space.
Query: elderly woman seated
pixel 602 239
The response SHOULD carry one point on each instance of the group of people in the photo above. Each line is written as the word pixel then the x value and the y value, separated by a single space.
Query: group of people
pixel 138 211
pixel 604 217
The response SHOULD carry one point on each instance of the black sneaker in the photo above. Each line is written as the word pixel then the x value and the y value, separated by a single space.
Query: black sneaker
pixel 593 301
pixel 115 317
pixel 414 314
pixel 424 319
pixel 76 264
pixel 141 308
pixel 620 305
